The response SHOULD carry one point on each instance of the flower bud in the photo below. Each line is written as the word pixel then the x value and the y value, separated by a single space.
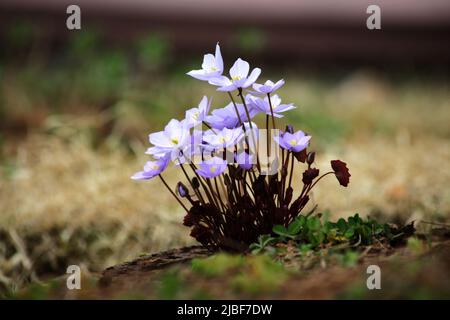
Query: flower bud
pixel 195 183
pixel 182 190
pixel 309 175
pixel 310 158
pixel 290 129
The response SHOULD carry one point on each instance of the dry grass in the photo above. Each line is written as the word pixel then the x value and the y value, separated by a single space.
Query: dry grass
pixel 66 203
pixel 409 178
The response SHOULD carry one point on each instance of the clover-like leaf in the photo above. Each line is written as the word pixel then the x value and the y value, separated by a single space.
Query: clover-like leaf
pixel 280 230
pixel 349 233
pixel 342 225
pixel 295 227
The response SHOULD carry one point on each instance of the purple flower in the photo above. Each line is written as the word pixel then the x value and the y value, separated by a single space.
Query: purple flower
pixel 152 169
pixel 268 86
pixel 190 150
pixel 295 142
pixel 171 141
pixel 195 116
pixel 212 167
pixel 263 105
pixel 222 139
pixel 227 118
pixel 239 77
pixel 244 160
pixel 212 66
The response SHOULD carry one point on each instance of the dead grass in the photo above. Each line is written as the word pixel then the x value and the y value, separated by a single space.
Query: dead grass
pixel 70 204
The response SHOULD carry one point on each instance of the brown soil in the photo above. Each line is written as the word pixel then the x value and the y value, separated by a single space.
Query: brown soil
pixel 408 272
pixel 324 282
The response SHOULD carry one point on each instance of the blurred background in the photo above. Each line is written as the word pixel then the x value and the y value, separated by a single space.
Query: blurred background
pixel 76 108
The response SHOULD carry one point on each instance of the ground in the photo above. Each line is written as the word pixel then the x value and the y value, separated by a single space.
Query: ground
pixel 417 270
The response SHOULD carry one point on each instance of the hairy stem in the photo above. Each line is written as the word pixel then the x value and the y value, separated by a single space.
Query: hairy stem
pixel 292 170
pixel 271 111
pixel 315 182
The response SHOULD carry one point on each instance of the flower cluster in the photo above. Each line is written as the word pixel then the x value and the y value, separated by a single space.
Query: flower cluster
pixel 229 195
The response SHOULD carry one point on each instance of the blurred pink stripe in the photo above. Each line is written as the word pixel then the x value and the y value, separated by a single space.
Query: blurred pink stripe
pixel 393 11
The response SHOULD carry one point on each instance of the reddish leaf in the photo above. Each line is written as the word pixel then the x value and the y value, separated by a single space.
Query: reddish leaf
pixel 309 175
pixel 341 171
pixel 301 156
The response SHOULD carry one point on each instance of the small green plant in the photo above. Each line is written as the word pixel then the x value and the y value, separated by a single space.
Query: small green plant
pixel 311 233
pixel 260 274
pixel 263 242
pixel 217 265
pixel 171 285
pixel 249 274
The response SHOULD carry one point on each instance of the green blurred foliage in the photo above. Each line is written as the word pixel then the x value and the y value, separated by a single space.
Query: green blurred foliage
pixel 251 40
pixel 105 77
pixel 20 34
pixel 84 44
pixel 217 265
pixel 153 51
pixel 326 128
pixel 261 275
pixel 171 285
pixel 249 274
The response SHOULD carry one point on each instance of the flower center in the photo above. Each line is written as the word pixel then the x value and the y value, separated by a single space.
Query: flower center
pixel 293 142
pixel 213 169
pixel 174 141
pixel 195 115
pixel 236 78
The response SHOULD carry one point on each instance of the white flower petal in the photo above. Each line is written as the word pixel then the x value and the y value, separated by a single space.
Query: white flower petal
pixel 252 78
pixel 239 70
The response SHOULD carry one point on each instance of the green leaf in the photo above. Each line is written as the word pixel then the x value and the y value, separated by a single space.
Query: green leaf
pixel 351 221
pixel 302 220
pixel 342 225
pixel 281 230
pixel 349 233
pixel 266 239
pixel 295 227
pixel 314 223
pixel 304 248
